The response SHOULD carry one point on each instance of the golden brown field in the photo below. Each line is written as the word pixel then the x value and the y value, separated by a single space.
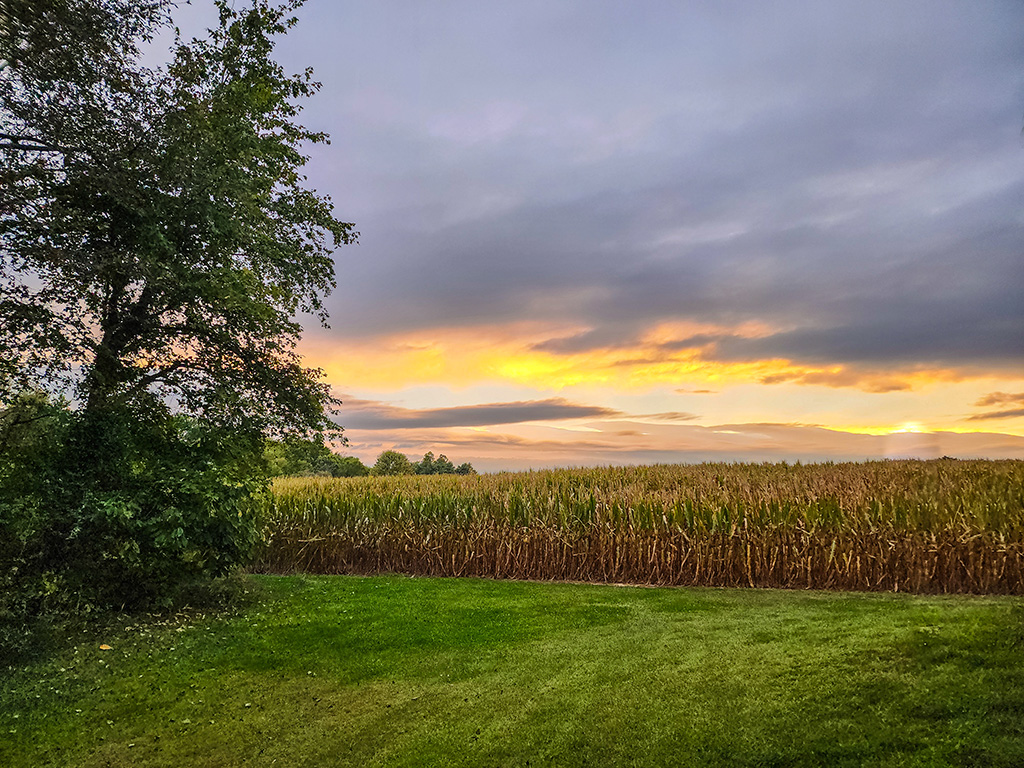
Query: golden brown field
pixel 935 526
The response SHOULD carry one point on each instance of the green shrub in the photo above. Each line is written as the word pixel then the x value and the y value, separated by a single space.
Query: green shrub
pixel 118 509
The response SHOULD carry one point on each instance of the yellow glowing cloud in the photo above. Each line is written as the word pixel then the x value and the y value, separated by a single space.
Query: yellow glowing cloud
pixel 463 357
pixel 660 358
pixel 671 332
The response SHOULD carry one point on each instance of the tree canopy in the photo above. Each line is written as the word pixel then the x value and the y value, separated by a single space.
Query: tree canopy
pixel 393 463
pixel 156 234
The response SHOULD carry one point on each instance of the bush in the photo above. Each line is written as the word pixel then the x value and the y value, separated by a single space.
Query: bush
pixel 118 509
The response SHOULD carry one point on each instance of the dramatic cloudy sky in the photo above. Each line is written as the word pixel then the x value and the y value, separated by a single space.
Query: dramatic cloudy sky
pixel 607 232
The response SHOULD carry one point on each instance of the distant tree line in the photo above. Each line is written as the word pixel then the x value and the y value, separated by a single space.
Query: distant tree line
pixel 396 463
pixel 311 458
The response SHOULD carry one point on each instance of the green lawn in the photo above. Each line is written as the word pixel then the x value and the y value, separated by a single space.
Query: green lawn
pixel 326 671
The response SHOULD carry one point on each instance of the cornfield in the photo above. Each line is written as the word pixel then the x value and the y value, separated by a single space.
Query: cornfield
pixel 936 526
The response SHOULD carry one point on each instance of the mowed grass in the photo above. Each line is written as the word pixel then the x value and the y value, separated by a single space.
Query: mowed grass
pixel 389 670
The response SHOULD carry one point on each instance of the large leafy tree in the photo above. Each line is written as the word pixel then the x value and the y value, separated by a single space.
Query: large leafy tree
pixel 157 243
pixel 156 233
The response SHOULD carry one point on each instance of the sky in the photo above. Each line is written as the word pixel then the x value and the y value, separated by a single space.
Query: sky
pixel 600 233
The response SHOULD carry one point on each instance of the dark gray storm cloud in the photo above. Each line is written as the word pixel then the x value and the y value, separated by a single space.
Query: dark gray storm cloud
pixel 848 173
pixel 373 415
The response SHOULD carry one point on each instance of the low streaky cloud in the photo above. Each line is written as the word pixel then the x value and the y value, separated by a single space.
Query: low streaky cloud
pixel 627 442
pixel 844 377
pixel 374 415
pixel 1001 398
pixel 1012 413
pixel 684 391
pixel 996 399
pixel 668 416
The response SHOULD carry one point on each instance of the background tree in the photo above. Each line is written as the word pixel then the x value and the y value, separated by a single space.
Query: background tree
pixel 425 466
pixel 393 463
pixel 157 242
pixel 310 458
pixel 442 466
pixel 429 465
pixel 348 466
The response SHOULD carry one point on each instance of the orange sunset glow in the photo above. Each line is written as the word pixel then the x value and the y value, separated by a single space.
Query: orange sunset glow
pixel 648 405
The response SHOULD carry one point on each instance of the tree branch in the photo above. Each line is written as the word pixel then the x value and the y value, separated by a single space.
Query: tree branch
pixel 28 144
pixel 158 375
pixel 7 429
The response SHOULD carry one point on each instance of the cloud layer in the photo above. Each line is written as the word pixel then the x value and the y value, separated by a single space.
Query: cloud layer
pixel 800 211
pixel 373 415
pixel 847 175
